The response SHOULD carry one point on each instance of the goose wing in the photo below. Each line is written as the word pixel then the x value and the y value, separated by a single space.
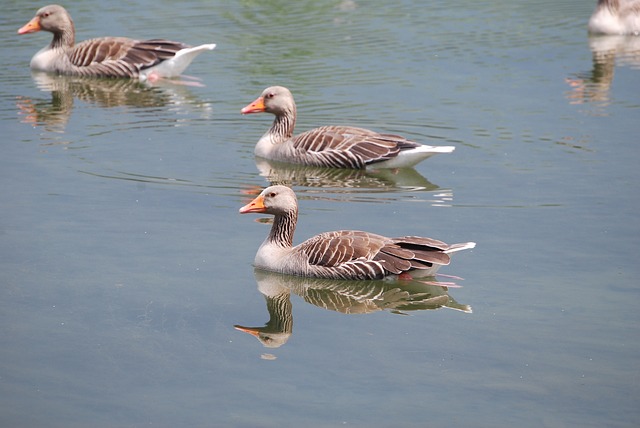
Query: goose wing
pixel 121 56
pixel 332 249
pixel 375 253
pixel 337 146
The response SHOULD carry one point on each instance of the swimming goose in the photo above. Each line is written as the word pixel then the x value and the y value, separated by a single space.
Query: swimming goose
pixel 105 56
pixel 343 254
pixel 620 17
pixel 331 146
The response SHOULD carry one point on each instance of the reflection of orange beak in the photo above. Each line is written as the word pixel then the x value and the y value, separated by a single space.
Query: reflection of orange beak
pixel 251 330
pixel 255 206
pixel 31 26
pixel 255 107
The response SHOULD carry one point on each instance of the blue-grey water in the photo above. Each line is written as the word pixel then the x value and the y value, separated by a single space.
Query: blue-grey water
pixel 124 264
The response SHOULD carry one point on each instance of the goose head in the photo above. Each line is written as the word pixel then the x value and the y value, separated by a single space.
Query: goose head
pixel 275 200
pixel 52 18
pixel 276 100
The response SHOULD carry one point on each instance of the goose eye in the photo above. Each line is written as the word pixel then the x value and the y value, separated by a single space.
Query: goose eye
pixel 270 95
pixel 272 194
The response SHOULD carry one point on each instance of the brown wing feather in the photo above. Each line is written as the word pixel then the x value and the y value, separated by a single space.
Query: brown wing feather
pixel 428 250
pixel 100 50
pixel 154 51
pixel 412 252
pixel 334 248
pixel 358 146
pixel 363 251
pixel 121 56
pixel 421 242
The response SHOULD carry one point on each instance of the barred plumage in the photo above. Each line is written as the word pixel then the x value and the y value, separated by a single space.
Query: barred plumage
pixel 331 146
pixel 342 254
pixel 105 56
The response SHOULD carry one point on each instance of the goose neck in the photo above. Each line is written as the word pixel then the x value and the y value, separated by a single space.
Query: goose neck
pixel 65 38
pixel 283 125
pixel 284 226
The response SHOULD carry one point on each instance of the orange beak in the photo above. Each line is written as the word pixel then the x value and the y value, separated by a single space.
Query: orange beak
pixel 255 107
pixel 255 206
pixel 253 331
pixel 32 26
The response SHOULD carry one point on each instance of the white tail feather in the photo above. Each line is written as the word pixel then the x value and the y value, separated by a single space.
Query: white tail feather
pixel 459 247
pixel 175 66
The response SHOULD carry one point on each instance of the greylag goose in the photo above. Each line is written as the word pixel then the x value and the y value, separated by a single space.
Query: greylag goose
pixel 621 17
pixel 331 146
pixel 105 56
pixel 343 254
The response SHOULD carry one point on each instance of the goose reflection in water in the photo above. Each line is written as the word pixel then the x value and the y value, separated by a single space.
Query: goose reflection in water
pixel 608 52
pixel 347 297
pixel 351 180
pixel 54 113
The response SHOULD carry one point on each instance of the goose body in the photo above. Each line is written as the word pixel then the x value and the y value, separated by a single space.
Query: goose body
pixel 342 254
pixel 106 56
pixel 331 146
pixel 616 17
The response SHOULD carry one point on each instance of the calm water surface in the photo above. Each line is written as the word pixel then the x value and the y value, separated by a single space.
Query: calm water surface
pixel 125 264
